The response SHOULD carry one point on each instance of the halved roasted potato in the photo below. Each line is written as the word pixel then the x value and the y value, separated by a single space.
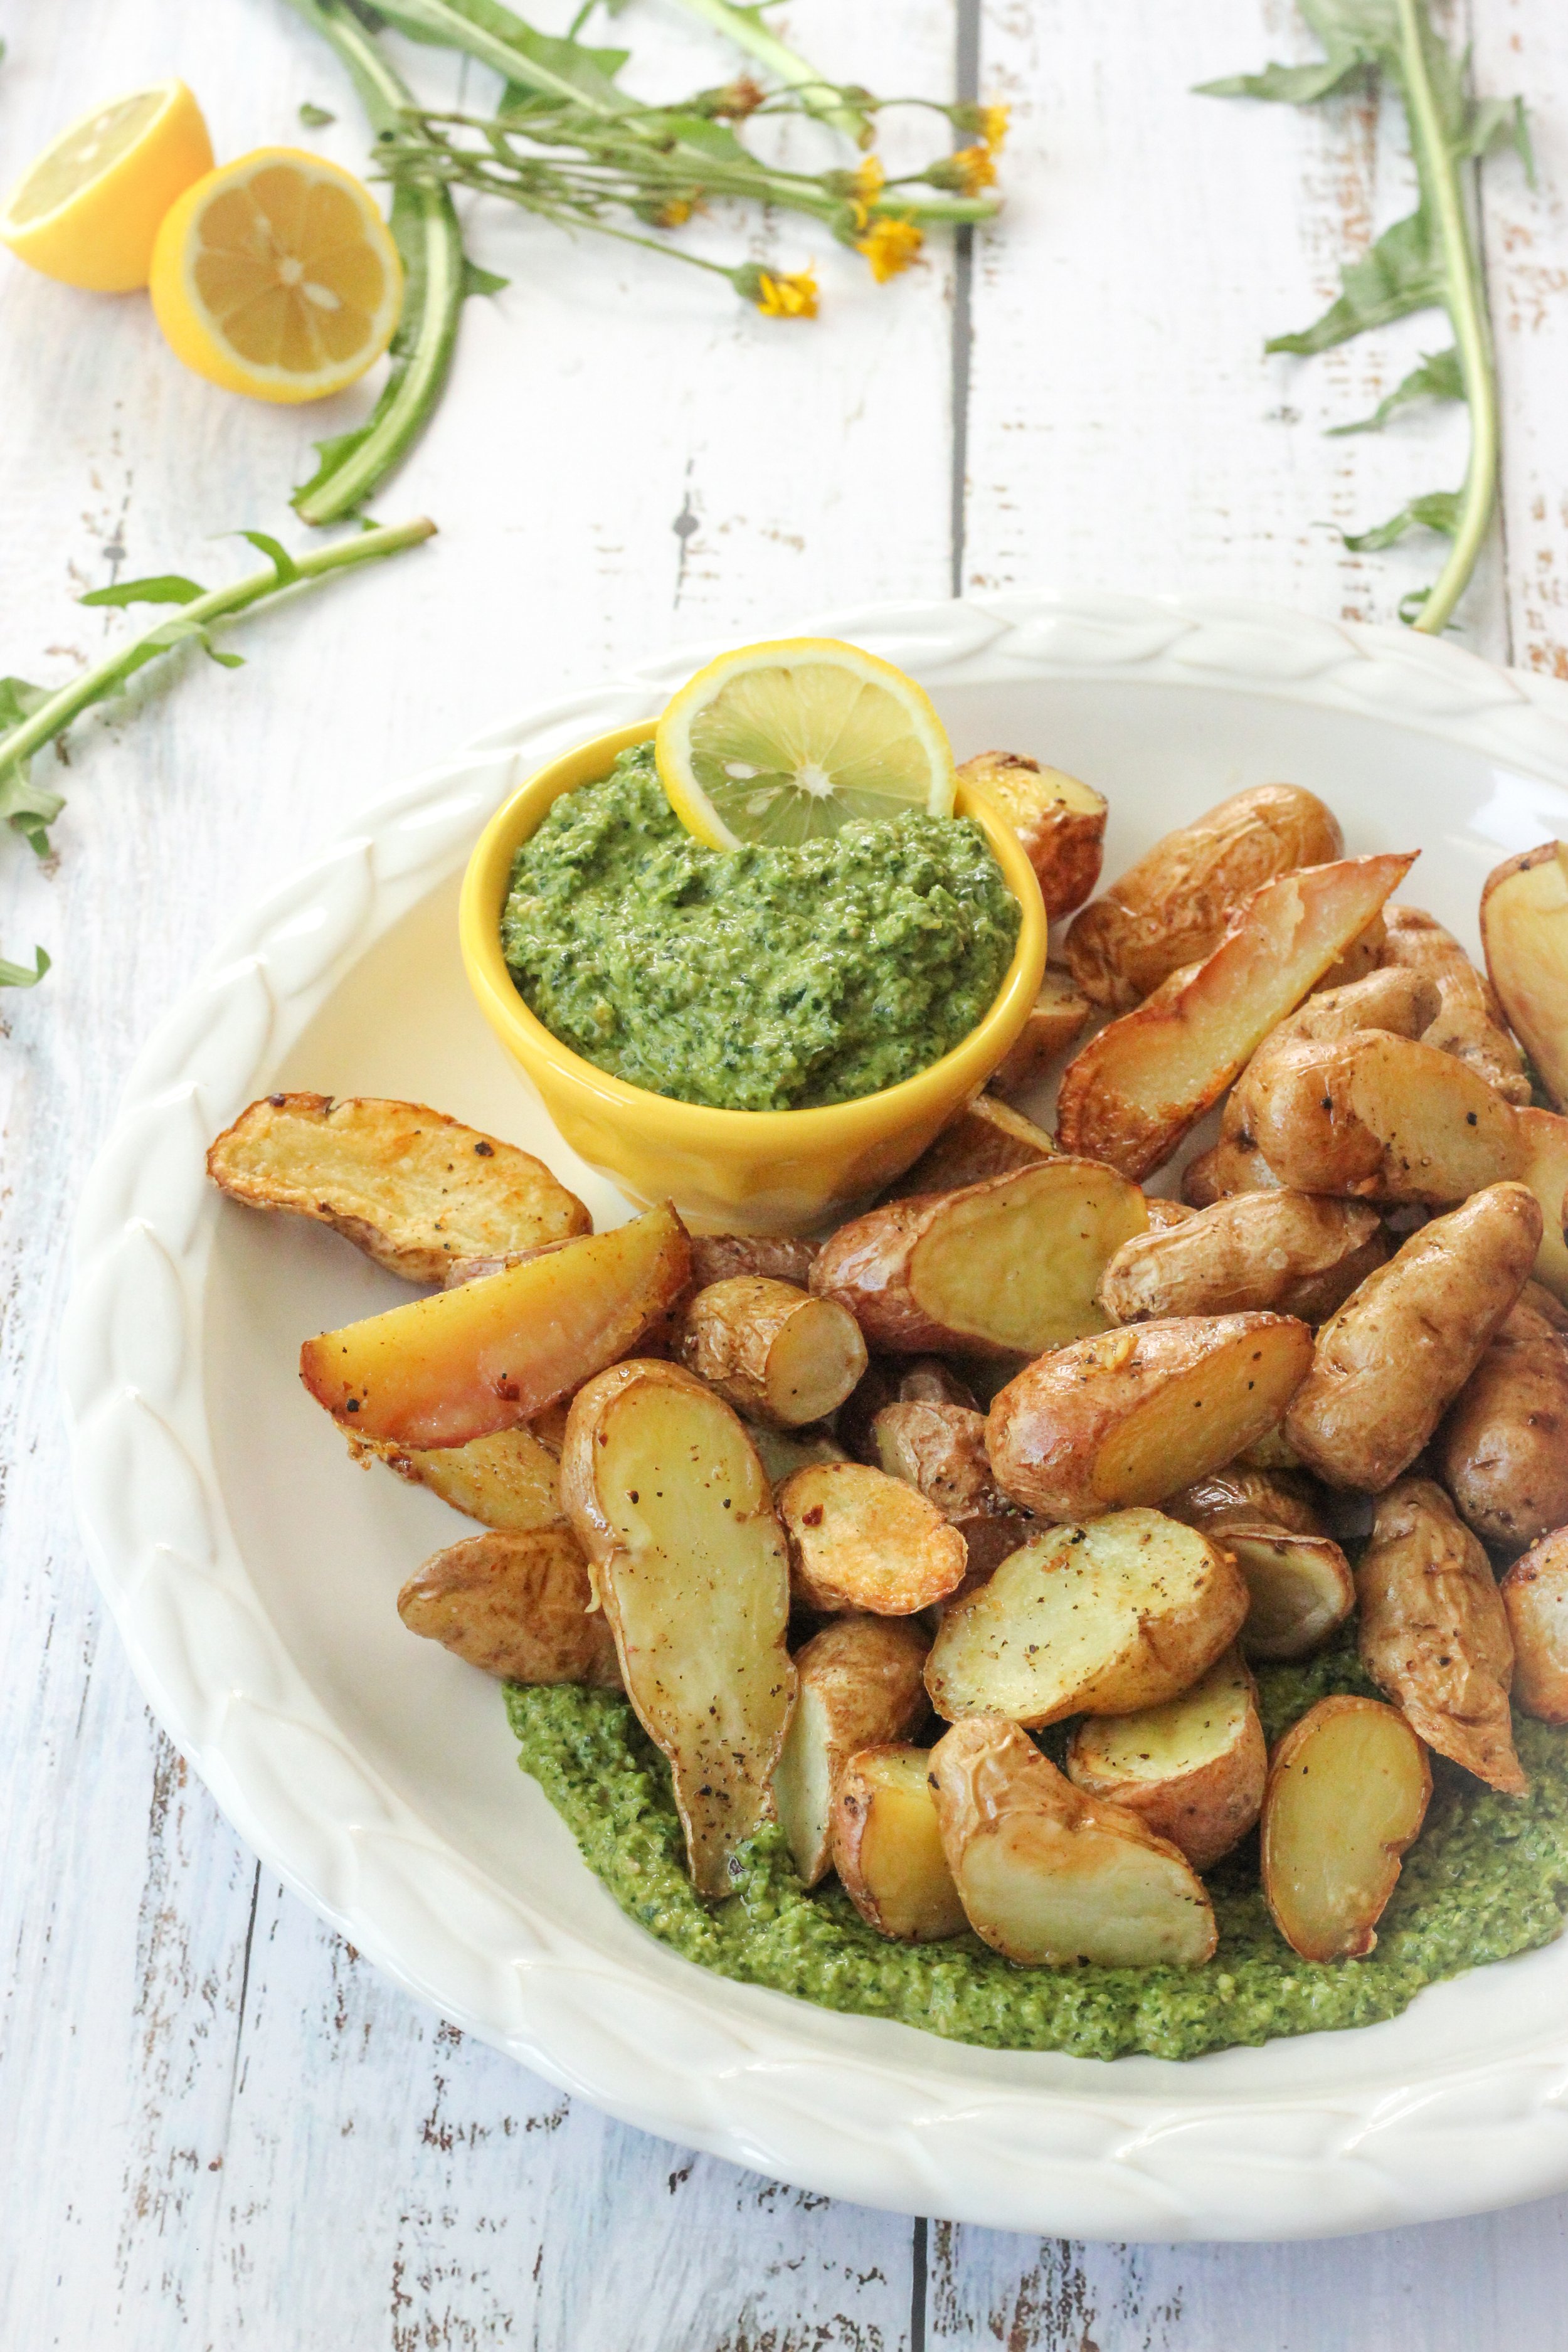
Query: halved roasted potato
pixel 1404 1003
pixel 1469 1021
pixel 1232 1165
pixel 861 1541
pixel 1050 1876
pixel 1060 822
pixel 1055 1019
pixel 1503 1449
pixel 1535 1597
pixel 1545 1170
pixel 1003 1268
pixel 989 1139
pixel 1193 1768
pixel 941 1449
pixel 1377 1117
pixel 1348 1790
pixel 776 1353
pixel 1363 956
pixel 1385 1368
pixel 1300 1588
pixel 667 1498
pixel 1175 905
pixel 888 1850
pixel 779 1257
pixel 519 1606
pixel 1524 930
pixel 1434 1635
pixel 1122 1614
pixel 1133 1093
pixel 509 1480
pixel 1243 1491
pixel 496 1353
pixel 1136 1414
pixel 857 1684
pixel 412 1189
pixel 1291 1251
pixel 783 1452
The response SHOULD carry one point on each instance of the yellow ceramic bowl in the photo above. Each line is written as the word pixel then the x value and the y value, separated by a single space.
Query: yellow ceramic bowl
pixel 758 1171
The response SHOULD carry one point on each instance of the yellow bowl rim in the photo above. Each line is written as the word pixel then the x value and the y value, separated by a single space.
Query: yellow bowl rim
pixel 699 1125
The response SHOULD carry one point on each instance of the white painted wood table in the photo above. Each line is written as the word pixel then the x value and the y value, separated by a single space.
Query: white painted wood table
pixel 218 2124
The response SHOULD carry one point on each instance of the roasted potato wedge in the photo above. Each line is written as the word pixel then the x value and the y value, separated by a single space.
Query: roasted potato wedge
pixel 509 1481
pixel 1175 905
pixel 1376 1116
pixel 1133 1415
pixel 1001 1269
pixel 1242 1492
pixel 1060 822
pixel 1469 1022
pixel 778 1355
pixel 1291 1252
pixel 519 1606
pixel 496 1353
pixel 412 1189
pixel 1300 1588
pixel 1435 1634
pixel 1535 1598
pixel 1348 1790
pixel 667 1498
pixel 719 1257
pixel 861 1541
pixel 1363 956
pixel 1503 1450
pixel 941 1449
pixel 887 1847
pixel 1386 1367
pixel 1545 1170
pixel 989 1139
pixel 1049 1876
pixel 1055 1019
pixel 1122 1614
pixel 1132 1093
pixel 1192 1769
pixel 857 1684
pixel 1524 930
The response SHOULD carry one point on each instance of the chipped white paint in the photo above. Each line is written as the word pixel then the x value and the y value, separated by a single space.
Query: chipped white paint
pixel 223 2126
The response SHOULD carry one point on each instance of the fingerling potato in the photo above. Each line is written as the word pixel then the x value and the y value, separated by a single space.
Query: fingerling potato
pixel 776 1353
pixel 519 1606
pixel 1049 1876
pixel 1535 1597
pixel 1524 931
pixel 1434 1635
pixel 888 1850
pixel 1300 1588
pixel 783 1452
pixel 1243 1491
pixel 509 1480
pixel 669 1500
pixel 989 1139
pixel 719 1257
pixel 1545 1170
pixel 1192 1769
pixel 1386 1366
pixel 861 1541
pixel 1135 1415
pixel 941 1449
pixel 1469 1021
pixel 1175 906
pixel 1232 1165
pixel 1003 1268
pixel 1348 1790
pixel 1053 1020
pixel 1122 1614
pixel 857 1684
pixel 1503 1449
pixel 413 1189
pixel 1060 822
pixel 1291 1252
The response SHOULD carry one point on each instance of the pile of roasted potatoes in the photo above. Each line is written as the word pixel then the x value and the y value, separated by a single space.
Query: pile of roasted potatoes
pixel 850 1519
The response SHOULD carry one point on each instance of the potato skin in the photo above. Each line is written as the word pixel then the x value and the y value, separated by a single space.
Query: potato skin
pixel 1239 1492
pixel 1524 931
pixel 1055 1434
pixel 1206 1807
pixel 1060 822
pixel 1468 1022
pixel 1353 1933
pixel 859 1540
pixel 1173 906
pixel 1292 1252
pixel 1545 1170
pixel 509 1481
pixel 1435 1633
pixel 1535 1597
pixel 413 1189
pixel 1503 1450
pixel 777 1258
pixel 859 1684
pixel 941 1450
pixel 1055 1019
pixel 928 1909
pixel 519 1606
pixel 1385 1367
pixel 1231 1166
pixel 989 1139
pixel 735 1334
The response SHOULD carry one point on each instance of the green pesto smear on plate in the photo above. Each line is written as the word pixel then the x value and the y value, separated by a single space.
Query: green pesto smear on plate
pixel 1488 1877
pixel 761 979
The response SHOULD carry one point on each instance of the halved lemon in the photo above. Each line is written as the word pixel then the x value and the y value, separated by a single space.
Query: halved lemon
pixel 88 210
pixel 277 276
pixel 782 742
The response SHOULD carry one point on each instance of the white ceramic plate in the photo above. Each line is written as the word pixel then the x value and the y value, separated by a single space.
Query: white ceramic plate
pixel 251 1570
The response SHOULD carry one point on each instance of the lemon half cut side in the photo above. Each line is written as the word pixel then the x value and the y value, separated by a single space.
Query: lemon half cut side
pixel 779 743
pixel 276 276
pixel 88 210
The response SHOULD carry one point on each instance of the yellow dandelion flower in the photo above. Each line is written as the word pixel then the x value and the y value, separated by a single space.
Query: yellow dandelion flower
pixel 889 246
pixel 974 168
pixel 868 180
pixel 674 214
pixel 993 125
pixel 782 295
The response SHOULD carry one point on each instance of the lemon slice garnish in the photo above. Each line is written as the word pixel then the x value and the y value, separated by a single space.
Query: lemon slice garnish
pixel 783 742
pixel 277 276
pixel 90 208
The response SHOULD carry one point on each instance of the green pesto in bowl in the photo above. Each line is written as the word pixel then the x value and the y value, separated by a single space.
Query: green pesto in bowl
pixel 758 979
pixel 1486 1878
